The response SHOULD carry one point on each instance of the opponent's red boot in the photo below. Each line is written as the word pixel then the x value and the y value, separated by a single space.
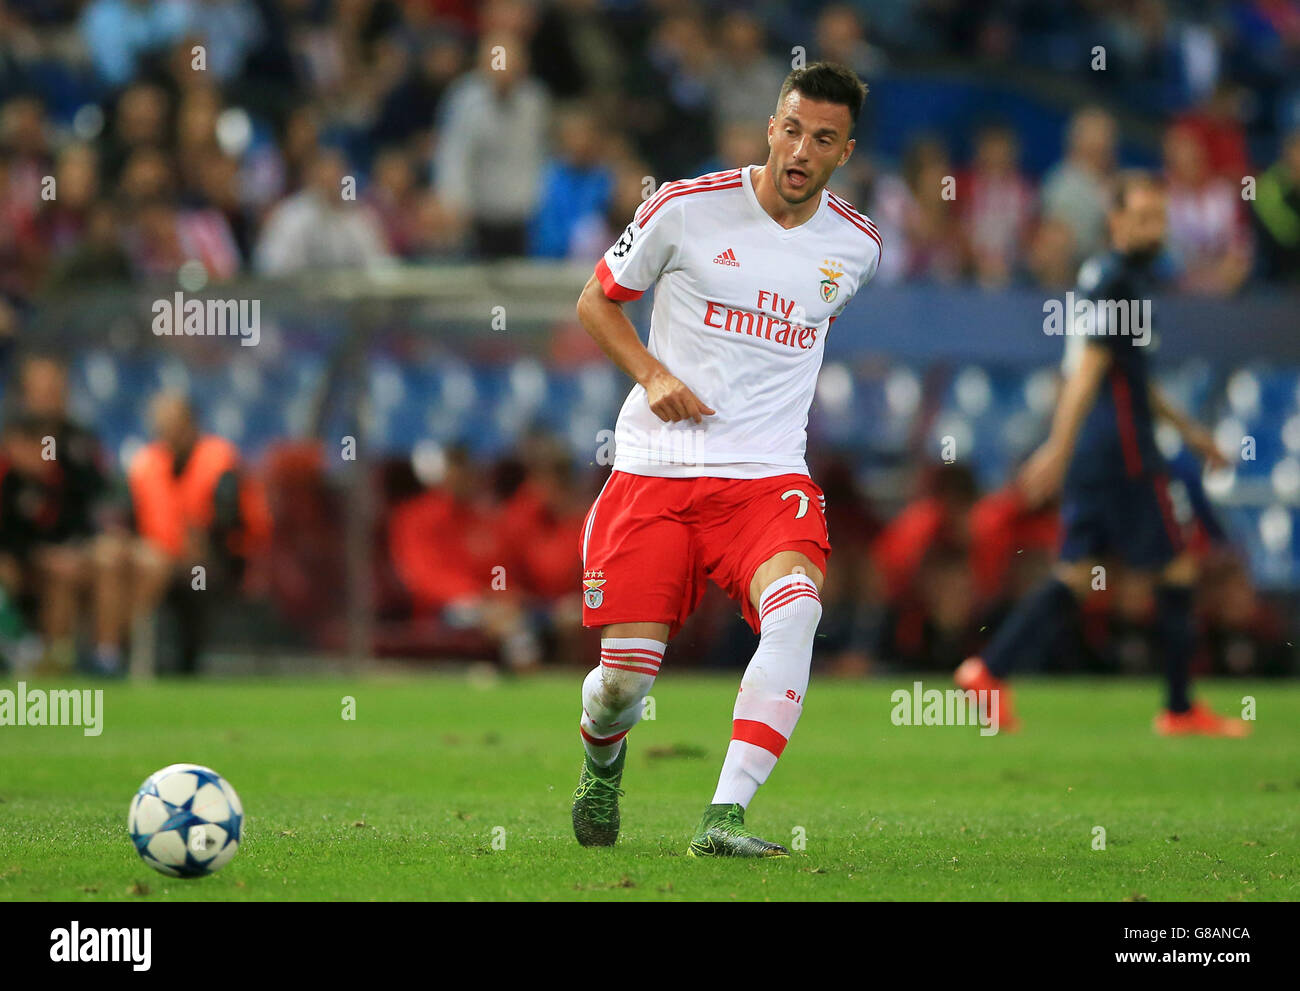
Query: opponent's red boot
pixel 973 675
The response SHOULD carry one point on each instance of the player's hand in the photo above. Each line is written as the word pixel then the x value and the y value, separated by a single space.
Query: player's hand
pixel 671 401
pixel 1042 475
pixel 1200 440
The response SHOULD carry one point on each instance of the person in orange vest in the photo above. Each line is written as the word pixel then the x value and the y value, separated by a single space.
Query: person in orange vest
pixel 194 504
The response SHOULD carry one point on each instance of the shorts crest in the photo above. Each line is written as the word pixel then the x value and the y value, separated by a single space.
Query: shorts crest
pixel 592 582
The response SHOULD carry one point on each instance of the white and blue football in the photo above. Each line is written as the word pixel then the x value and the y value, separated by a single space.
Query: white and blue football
pixel 185 821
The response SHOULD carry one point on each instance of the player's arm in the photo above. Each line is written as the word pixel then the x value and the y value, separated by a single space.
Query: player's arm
pixel 646 249
pixel 1195 435
pixel 604 319
pixel 1043 473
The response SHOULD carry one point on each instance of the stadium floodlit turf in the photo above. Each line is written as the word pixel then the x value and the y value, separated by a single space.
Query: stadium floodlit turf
pixel 413 798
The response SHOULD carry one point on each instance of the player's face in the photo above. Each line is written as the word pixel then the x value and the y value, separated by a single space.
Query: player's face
pixel 1139 228
pixel 809 139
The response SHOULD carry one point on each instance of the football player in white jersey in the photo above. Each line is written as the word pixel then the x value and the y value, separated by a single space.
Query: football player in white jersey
pixel 749 267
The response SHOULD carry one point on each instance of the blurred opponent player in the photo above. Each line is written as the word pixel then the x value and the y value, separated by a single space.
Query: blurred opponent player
pixel 750 268
pixel 1101 456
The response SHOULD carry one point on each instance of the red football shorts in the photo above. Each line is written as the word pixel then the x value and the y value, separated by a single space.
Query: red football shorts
pixel 649 543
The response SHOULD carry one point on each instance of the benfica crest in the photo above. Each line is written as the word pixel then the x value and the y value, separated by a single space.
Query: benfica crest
pixel 830 289
pixel 592 594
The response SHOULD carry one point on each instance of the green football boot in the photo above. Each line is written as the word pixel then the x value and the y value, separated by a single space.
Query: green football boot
pixel 722 833
pixel 595 803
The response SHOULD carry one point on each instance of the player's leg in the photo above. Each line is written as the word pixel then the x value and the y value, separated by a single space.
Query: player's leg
pixel 63 570
pixel 1154 545
pixel 613 692
pixel 770 553
pixel 638 585
pixel 1021 633
pixel 111 553
pixel 1176 632
pixel 1022 630
pixel 785 592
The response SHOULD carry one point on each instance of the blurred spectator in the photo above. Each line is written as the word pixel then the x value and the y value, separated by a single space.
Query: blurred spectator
pixel 317 228
pixel 43 396
pixel 97 258
pixel 1277 214
pixel 139 121
pixel 146 176
pixel 1011 547
pixel 217 188
pixel 403 209
pixel 42 569
pixel 576 185
pixel 228 30
pixel 842 38
pixel 491 147
pixel 59 545
pixel 200 512
pixel 848 638
pixel 118 34
pixel 941 516
pixel 538 528
pixel 669 106
pixel 63 220
pixel 593 234
pixel 1216 123
pixel 197 113
pixel 1208 234
pixel 1243 634
pixel 446 545
pixel 24 135
pixel 20 238
pixel 886 199
pixel 1165 59
pixel 932 245
pixel 411 105
pixel 746 79
pixel 1076 190
pixel 997 205
pixel 25 161
pixel 936 619
pixel 740 143
pixel 1050 260
pixel 575 53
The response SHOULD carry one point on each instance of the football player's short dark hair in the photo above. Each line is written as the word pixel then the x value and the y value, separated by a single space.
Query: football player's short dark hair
pixel 829 82
pixel 1129 180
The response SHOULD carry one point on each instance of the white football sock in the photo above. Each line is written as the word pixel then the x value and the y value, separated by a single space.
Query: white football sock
pixel 772 690
pixel 612 693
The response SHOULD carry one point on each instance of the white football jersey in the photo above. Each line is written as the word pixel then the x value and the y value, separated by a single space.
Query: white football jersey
pixel 741 311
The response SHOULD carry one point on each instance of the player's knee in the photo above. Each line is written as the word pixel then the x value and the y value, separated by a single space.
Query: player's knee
pixel 782 565
pixel 791 605
pixel 624 689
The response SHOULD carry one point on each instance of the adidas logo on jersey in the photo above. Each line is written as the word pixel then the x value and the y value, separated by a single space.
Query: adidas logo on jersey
pixel 727 257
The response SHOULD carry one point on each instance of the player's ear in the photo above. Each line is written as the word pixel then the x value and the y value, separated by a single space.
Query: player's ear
pixel 848 150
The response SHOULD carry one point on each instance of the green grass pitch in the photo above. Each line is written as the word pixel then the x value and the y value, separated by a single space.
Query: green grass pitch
pixel 414 798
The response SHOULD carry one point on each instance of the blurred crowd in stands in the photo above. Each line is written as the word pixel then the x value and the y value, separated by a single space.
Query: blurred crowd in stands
pixel 277 136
